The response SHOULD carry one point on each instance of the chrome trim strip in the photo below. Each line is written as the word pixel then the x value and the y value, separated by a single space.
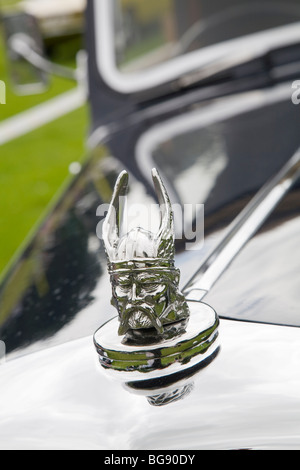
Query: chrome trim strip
pixel 242 230
pixel 207 59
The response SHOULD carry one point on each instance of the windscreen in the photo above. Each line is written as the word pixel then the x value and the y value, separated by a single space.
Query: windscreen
pixel 149 33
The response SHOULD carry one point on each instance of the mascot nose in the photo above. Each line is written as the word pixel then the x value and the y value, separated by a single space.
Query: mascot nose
pixel 133 293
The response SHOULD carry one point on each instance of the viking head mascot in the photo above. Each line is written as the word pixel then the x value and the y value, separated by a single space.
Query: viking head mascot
pixel 141 266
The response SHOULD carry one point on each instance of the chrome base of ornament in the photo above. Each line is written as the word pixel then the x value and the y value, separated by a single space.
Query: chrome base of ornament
pixel 182 347
pixel 171 388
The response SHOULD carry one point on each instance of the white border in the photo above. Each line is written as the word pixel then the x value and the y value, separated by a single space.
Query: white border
pixel 252 45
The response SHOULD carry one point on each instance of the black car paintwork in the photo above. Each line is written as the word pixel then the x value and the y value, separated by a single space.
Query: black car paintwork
pixel 57 288
pixel 62 273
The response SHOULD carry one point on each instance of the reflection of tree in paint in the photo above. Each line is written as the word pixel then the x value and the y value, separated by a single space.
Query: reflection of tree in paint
pixel 54 279
pixel 71 272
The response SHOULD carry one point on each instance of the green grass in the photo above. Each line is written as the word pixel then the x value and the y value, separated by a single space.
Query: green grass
pixel 15 103
pixel 34 167
pixel 8 3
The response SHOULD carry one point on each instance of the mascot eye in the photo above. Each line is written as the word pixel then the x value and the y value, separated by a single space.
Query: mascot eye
pixel 151 287
pixel 122 289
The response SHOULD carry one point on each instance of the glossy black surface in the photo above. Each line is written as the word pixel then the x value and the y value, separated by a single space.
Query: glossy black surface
pixel 262 284
pixel 216 144
pixel 192 25
pixel 59 289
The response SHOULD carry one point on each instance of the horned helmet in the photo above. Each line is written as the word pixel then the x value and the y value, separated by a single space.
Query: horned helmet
pixel 141 266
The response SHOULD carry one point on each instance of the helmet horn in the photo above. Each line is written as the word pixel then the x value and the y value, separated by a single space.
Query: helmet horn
pixel 112 224
pixel 165 236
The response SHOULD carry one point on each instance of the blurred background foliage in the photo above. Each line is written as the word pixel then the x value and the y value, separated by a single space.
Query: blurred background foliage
pixel 146 11
pixel 34 167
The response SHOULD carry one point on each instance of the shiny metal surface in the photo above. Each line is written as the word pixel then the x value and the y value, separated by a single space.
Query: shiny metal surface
pixel 160 338
pixel 141 265
pixel 57 288
pixel 245 392
pixel 183 345
pixel 249 397
pixel 262 283
pixel 242 229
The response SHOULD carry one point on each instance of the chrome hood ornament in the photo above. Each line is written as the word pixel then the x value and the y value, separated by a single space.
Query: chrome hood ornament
pixel 141 266
pixel 157 336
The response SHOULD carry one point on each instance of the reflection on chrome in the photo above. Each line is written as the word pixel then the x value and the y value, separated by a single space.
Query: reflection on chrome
pixel 161 367
pixel 158 338
pixel 169 397
pixel 171 388
pixel 141 266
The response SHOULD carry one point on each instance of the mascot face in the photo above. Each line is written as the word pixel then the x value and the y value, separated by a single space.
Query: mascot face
pixel 144 279
pixel 147 297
